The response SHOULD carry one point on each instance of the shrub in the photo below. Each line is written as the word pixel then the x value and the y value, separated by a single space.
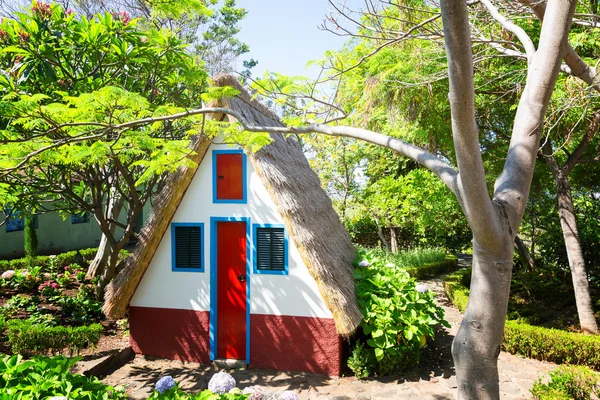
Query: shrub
pixel 554 345
pixel 537 342
pixel 48 263
pixel 456 288
pixel 360 361
pixel 397 318
pixel 26 337
pixel 568 382
pixel 43 377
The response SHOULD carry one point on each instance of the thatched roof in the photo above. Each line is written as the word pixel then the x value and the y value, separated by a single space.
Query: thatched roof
pixel 294 187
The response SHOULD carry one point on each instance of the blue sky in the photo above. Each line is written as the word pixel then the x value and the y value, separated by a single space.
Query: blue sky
pixel 283 35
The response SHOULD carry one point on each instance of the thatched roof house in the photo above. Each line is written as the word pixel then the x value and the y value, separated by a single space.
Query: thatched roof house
pixel 271 213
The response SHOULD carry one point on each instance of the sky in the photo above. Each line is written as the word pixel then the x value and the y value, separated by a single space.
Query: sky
pixel 284 35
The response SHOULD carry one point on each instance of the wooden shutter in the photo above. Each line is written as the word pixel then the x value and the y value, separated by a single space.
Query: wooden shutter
pixel 270 249
pixel 230 176
pixel 187 247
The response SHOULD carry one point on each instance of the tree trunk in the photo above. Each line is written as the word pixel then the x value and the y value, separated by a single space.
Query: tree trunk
pixel 524 254
pixel 476 347
pixel 568 224
pixel 380 233
pixel 393 240
pixel 98 265
pixel 107 274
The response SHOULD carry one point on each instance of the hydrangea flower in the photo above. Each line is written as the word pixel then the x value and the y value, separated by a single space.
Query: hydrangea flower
pixel 47 275
pixel 421 288
pixel 364 263
pixel 221 383
pixel 288 395
pixel 8 274
pixel 58 398
pixel 255 393
pixel 165 383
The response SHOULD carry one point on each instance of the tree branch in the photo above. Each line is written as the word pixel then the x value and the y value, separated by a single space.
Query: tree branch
pixel 511 27
pixel 477 204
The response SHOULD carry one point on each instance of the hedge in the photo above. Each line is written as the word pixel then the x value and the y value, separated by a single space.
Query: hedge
pixel 25 337
pixel 430 270
pixel 67 258
pixel 546 344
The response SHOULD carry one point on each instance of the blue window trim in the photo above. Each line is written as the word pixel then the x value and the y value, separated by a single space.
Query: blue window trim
pixel 213 282
pixel 244 198
pixel 173 263
pixel 285 250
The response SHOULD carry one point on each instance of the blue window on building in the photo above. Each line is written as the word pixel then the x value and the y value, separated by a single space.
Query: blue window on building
pixel 15 221
pixel 80 218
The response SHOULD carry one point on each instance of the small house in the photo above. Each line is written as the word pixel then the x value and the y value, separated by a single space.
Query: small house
pixel 243 258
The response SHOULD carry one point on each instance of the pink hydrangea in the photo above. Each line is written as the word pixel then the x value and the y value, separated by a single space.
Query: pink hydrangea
pixel 8 274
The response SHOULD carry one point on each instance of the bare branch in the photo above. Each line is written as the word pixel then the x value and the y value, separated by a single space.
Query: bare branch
pixel 511 27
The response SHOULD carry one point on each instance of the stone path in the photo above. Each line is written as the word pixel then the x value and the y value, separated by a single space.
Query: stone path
pixel 434 379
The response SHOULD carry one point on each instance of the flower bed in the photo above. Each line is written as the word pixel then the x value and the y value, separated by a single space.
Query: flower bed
pixel 48 306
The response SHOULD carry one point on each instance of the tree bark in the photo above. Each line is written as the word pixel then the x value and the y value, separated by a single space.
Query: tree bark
pixel 476 347
pixel 568 224
pixel 393 240
pixel 98 265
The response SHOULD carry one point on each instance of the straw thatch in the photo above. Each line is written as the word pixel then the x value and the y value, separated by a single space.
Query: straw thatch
pixel 306 209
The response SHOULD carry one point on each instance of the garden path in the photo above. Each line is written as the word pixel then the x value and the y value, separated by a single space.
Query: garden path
pixel 433 379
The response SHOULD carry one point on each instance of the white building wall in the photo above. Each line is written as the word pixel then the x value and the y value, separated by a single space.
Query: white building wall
pixel 295 294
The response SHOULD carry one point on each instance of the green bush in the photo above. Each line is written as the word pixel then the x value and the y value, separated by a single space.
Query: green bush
pixel 43 377
pixel 546 344
pixel 360 361
pixel 432 269
pixel 25 337
pixel 554 345
pixel 48 263
pixel 397 317
pixel 456 288
pixel 568 382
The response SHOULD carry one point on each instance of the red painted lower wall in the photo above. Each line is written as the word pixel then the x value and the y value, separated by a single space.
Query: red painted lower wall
pixel 283 343
pixel 289 343
pixel 170 333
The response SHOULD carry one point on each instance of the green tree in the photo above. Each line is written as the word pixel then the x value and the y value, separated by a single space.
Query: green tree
pixel 60 69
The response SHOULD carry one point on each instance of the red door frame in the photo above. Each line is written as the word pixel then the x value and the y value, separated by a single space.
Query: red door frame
pixel 214 283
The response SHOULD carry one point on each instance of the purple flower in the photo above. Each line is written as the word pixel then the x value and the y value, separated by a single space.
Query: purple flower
pixel 364 263
pixel 421 288
pixel 221 383
pixel 288 395
pixel 165 383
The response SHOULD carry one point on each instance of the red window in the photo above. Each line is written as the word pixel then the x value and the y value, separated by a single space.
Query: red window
pixel 230 177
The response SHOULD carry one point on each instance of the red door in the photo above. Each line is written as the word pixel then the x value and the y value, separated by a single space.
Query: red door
pixel 231 290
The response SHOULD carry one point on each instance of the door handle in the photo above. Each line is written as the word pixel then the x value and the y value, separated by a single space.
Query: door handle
pixel 241 277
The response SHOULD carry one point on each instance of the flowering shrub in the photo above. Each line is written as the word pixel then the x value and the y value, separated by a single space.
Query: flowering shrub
pixel 398 316
pixel 8 274
pixel 164 384
pixel 288 395
pixel 49 289
pixel 221 383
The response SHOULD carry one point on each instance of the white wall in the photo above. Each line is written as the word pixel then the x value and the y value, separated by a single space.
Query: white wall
pixel 295 294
